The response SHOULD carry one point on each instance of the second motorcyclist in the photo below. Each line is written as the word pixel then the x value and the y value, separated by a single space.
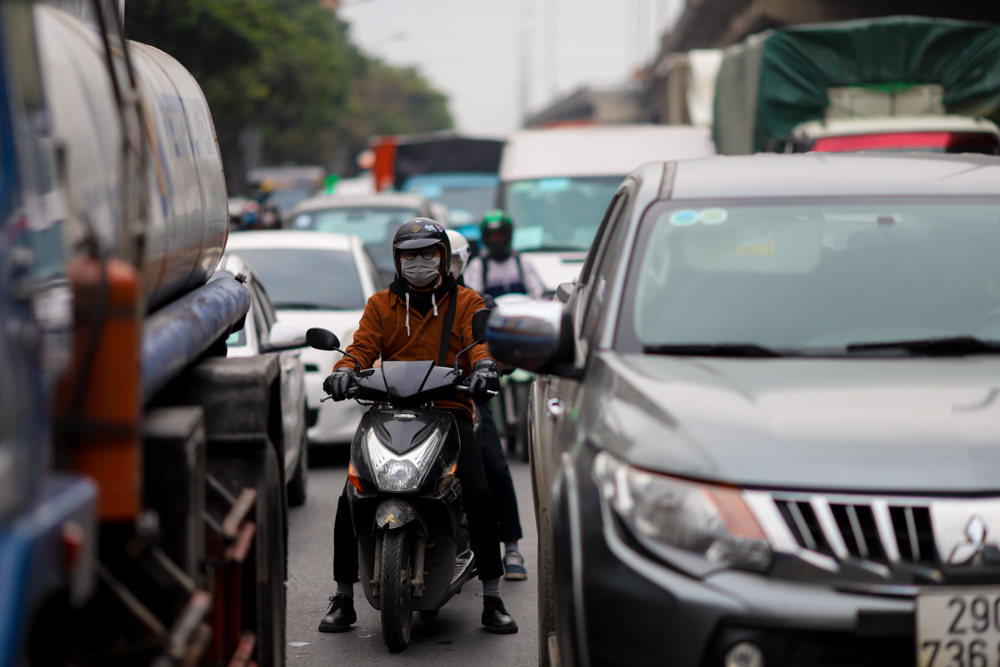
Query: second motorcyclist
pixel 494 460
pixel 501 270
pixel 407 323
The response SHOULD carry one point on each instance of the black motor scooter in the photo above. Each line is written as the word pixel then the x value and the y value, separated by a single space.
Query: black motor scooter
pixel 405 500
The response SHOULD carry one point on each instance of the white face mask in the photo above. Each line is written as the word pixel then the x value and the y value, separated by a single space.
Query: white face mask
pixel 420 272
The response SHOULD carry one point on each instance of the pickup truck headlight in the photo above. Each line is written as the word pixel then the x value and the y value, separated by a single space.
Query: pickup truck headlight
pixel 400 472
pixel 709 520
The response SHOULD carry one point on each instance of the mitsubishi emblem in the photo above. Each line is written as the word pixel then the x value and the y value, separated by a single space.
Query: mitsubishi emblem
pixel 971 544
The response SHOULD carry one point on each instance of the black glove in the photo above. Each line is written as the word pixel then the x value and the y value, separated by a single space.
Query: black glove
pixel 337 383
pixel 485 378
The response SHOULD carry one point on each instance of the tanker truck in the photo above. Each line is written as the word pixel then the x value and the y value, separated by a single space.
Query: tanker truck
pixel 142 502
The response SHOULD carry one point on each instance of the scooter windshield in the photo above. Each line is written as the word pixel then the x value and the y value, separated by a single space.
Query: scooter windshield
pixel 405 379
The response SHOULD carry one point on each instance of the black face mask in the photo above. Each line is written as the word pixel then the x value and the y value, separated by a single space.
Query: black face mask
pixel 499 251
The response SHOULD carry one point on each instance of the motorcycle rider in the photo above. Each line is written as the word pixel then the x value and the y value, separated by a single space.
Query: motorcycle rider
pixel 500 271
pixel 494 460
pixel 405 323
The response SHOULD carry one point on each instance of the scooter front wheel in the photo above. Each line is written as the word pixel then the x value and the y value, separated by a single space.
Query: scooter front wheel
pixel 394 589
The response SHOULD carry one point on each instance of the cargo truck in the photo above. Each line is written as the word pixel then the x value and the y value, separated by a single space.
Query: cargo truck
pixel 891 84
pixel 456 172
pixel 142 502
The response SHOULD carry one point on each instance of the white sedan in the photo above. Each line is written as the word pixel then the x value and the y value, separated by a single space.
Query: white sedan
pixel 315 279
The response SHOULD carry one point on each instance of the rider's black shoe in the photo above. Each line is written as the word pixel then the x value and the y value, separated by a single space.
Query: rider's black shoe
pixel 340 615
pixel 495 616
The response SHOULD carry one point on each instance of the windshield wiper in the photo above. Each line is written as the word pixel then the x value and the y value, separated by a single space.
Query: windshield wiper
pixel 715 350
pixel 955 346
pixel 302 305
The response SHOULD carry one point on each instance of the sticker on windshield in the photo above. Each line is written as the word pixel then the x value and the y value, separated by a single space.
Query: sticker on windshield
pixel 755 242
pixel 709 216
pixel 684 218
pixel 714 216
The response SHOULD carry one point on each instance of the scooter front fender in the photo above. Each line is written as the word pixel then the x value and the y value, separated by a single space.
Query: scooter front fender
pixel 395 513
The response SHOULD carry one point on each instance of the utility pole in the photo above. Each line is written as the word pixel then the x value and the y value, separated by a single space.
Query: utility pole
pixel 552 47
pixel 524 98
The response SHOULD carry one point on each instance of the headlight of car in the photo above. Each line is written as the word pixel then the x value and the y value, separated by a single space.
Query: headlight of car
pixel 708 520
pixel 400 472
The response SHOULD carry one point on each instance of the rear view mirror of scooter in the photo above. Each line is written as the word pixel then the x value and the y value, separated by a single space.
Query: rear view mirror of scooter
pixel 479 325
pixel 322 339
pixel 478 332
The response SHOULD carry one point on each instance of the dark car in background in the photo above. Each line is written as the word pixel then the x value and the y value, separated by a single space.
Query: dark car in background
pixel 767 429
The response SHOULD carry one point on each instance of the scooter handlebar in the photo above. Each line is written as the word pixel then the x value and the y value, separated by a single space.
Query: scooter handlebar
pixel 352 392
pixel 465 388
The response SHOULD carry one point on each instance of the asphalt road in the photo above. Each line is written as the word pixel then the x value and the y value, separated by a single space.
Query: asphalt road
pixel 453 637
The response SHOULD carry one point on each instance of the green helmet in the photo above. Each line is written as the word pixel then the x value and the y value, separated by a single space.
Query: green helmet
pixel 497 233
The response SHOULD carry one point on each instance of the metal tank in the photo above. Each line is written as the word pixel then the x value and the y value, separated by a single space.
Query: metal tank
pixel 186 217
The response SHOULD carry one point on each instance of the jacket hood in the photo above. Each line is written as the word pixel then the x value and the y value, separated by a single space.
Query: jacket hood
pixel 891 425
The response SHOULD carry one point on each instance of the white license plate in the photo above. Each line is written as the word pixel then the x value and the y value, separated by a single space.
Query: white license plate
pixel 958 627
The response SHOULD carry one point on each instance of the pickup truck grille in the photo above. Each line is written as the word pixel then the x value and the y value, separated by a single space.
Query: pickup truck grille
pixel 842 529
pixel 880 540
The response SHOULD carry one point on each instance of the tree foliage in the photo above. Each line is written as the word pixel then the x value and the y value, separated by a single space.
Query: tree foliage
pixel 288 69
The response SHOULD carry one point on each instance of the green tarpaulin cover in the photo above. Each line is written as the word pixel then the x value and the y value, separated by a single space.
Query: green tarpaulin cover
pixel 775 80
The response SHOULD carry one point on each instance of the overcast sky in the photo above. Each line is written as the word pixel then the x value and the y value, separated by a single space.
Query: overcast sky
pixel 473 50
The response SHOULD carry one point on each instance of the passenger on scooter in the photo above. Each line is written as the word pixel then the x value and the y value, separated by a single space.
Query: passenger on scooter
pixel 494 460
pixel 405 323
pixel 500 271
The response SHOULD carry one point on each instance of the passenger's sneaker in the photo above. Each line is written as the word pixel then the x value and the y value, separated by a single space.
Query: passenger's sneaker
pixel 495 616
pixel 339 616
pixel 513 566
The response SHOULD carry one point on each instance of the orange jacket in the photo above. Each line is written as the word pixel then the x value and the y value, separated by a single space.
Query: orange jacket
pixel 383 331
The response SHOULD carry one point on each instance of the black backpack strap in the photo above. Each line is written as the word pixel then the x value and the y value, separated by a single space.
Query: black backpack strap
pixel 449 323
pixel 520 269
pixel 484 260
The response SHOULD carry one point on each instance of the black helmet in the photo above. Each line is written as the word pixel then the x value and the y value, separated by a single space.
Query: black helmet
pixel 418 233
pixel 498 226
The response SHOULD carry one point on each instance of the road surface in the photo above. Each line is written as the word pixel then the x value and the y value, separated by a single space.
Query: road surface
pixel 454 637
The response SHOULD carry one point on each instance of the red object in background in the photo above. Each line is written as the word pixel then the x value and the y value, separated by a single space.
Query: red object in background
pixel 384 169
pixel 943 142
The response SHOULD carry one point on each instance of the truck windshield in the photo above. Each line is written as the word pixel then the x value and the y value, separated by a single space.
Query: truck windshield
pixel 816 275
pixel 557 213
pixel 466 206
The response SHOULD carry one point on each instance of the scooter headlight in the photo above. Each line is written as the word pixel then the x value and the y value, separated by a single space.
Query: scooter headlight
pixel 400 472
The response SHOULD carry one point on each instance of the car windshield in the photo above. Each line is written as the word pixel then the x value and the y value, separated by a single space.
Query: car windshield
pixel 817 275
pixel 301 278
pixel 557 213
pixel 375 225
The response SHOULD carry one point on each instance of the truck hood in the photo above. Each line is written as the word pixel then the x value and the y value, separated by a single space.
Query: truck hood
pixel 554 268
pixel 908 425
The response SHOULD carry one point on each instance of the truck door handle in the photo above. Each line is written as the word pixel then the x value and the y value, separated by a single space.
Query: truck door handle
pixel 554 408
